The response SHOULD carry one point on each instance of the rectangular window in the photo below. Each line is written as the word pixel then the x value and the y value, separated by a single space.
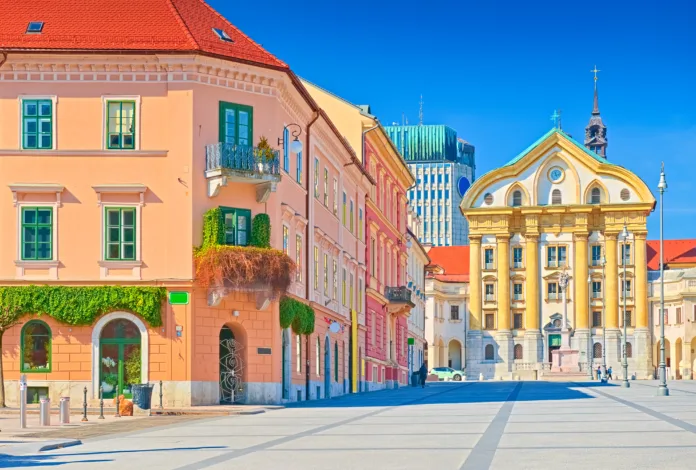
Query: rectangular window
pixel 120 233
pixel 316 178
pixel 286 248
pixel 490 321
pixel 335 280
pixel 316 268
pixel 596 255
pixel 488 258
pixel 37 233
pixel 298 176
pixel 373 333
pixel 552 291
pixel 517 291
pixel 37 124
pixel 360 224
pixel 556 256
pixel 351 217
pixel 326 275
pixel 360 295
pixel 454 312
pixel 298 257
pixel 345 203
pixel 343 289
pixel 373 255
pixel 237 225
pixel 628 319
pixel 335 197
pixel 517 321
pixel 120 124
pixel 490 292
pixel 626 288
pixel 680 320
pixel 626 253
pixel 517 257
pixel 326 187
pixel 597 318
pixel 596 289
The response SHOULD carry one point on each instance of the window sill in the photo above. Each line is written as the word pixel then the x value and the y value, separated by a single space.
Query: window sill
pixel 120 263
pixel 43 371
pixel 37 269
pixel 455 321
pixel 120 270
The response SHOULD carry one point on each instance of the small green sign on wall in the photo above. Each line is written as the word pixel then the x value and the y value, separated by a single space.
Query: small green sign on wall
pixel 179 298
pixel 412 341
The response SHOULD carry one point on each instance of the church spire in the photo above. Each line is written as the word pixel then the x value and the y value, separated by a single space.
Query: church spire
pixel 596 131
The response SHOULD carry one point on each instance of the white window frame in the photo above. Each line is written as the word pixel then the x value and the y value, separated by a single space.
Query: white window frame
pixel 105 109
pixel 54 135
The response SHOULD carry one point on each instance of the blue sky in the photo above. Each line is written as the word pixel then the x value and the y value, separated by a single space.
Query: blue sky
pixel 496 70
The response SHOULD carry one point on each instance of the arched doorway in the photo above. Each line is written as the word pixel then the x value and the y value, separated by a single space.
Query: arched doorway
pixel 231 367
pixel 327 368
pixel 454 354
pixel 120 358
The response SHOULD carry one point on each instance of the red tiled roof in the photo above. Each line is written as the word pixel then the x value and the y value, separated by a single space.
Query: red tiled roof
pixel 454 260
pixel 676 252
pixel 126 25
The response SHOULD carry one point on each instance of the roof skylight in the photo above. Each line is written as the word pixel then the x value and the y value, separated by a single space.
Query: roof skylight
pixel 35 27
pixel 222 35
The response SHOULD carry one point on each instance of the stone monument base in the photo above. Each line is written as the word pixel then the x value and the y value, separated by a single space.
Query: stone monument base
pixel 565 360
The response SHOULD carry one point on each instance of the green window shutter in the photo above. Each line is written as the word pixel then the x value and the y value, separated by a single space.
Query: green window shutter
pixel 243 226
pixel 37 233
pixel 120 125
pixel 237 225
pixel 230 220
pixel 236 124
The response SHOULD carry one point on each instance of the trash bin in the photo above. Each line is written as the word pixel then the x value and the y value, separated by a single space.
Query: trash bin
pixel 142 395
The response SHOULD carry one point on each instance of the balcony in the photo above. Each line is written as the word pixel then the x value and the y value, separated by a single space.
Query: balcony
pixel 399 299
pixel 240 164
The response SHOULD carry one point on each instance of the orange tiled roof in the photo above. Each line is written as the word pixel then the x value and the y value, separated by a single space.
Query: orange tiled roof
pixel 454 260
pixel 126 25
pixel 676 252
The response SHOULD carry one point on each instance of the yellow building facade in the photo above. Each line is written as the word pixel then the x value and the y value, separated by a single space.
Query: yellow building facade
pixel 557 210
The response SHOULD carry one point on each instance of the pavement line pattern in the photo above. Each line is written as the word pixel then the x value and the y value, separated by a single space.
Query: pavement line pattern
pixel 234 454
pixel 670 388
pixel 483 452
pixel 655 414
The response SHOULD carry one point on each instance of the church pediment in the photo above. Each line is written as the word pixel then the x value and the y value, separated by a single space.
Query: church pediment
pixel 556 170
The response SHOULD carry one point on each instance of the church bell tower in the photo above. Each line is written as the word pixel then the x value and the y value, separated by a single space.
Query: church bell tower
pixel 596 131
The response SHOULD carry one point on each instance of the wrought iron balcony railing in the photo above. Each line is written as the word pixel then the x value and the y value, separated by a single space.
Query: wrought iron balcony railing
pixel 253 160
pixel 398 294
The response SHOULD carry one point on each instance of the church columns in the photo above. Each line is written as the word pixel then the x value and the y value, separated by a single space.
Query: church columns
pixel 611 291
pixel 531 318
pixel 475 281
pixel 503 274
pixel 641 281
pixel 580 282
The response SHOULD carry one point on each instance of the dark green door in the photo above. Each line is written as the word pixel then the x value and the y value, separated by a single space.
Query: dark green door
pixel 120 358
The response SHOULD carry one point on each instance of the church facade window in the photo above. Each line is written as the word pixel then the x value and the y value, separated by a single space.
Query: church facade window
pixel 595 196
pixel 516 198
pixel 556 198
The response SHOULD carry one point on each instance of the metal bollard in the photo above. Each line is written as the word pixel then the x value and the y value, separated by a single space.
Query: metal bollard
pixel 118 413
pixel 101 402
pixel 23 401
pixel 160 405
pixel 84 407
pixel 64 410
pixel 45 412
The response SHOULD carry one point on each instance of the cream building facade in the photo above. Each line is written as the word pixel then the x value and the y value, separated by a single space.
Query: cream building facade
pixel 556 208
pixel 415 278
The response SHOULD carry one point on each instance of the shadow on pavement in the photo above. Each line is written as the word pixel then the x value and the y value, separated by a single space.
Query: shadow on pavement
pixel 457 392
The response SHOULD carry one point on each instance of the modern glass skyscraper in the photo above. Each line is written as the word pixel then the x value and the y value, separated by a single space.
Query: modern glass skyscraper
pixel 444 167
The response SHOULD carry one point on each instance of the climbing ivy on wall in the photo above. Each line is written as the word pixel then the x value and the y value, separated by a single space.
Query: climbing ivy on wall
pixel 261 231
pixel 81 305
pixel 299 315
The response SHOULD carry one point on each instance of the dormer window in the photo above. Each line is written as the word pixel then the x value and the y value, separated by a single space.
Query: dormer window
pixel 35 27
pixel 222 35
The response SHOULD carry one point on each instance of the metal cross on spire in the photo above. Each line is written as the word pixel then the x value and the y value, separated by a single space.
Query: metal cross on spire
pixel 595 71
pixel 556 118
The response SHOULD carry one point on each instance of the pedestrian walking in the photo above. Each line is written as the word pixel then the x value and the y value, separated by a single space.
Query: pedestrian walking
pixel 599 372
pixel 609 377
pixel 422 374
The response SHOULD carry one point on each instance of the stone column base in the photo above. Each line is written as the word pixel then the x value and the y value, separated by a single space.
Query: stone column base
pixel 581 343
pixel 533 346
pixel 613 352
pixel 474 352
pixel 503 365
pixel 642 354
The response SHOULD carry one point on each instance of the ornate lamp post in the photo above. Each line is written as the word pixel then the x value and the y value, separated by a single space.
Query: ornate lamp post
pixel 624 236
pixel 604 320
pixel 662 389
pixel 590 354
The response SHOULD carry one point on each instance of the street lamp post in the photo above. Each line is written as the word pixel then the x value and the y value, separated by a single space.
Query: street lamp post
pixel 624 363
pixel 604 319
pixel 662 389
pixel 589 324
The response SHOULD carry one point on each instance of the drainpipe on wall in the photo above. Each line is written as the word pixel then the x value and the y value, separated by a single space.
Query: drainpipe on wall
pixel 309 250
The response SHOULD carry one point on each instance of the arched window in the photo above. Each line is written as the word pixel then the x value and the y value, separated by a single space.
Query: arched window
pixel 629 350
pixel 336 361
pixel 516 198
pixel 36 347
pixel 556 198
pixel 518 351
pixel 489 352
pixel 597 351
pixel 595 196
pixel 318 361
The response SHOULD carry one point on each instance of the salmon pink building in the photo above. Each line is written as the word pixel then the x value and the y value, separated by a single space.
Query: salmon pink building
pixel 166 184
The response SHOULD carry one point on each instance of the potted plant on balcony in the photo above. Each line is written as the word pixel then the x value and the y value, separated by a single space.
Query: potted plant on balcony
pixel 264 155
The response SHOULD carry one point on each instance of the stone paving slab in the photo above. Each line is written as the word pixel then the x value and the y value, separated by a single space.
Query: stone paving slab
pixel 470 425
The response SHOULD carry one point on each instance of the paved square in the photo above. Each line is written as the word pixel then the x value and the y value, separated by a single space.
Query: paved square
pixel 471 425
